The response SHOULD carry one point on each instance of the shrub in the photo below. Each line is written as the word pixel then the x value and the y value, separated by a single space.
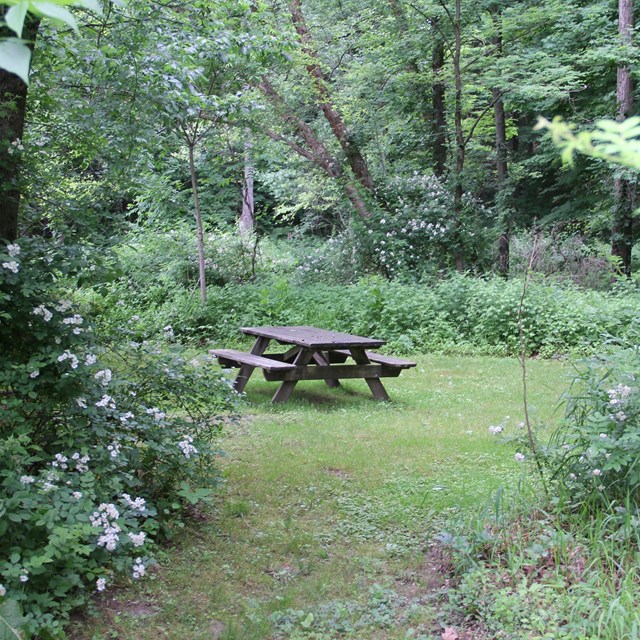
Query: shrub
pixel 597 449
pixel 103 449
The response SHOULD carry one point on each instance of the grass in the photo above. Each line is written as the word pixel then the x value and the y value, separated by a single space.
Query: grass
pixel 330 503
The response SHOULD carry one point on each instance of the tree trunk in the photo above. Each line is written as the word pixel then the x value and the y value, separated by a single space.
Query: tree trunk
pixel 439 122
pixel 622 227
pixel 502 168
pixel 460 140
pixel 315 150
pixel 246 223
pixel 13 106
pixel 199 230
pixel 351 150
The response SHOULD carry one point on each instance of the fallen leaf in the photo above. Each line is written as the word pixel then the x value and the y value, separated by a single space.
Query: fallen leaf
pixel 450 634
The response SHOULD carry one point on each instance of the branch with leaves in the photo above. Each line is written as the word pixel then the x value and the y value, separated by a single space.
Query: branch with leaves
pixel 15 53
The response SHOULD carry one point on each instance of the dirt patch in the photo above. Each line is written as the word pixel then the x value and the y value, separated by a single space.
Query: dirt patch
pixel 338 473
pixel 217 628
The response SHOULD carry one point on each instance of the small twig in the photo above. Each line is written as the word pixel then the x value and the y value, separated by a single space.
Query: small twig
pixel 523 361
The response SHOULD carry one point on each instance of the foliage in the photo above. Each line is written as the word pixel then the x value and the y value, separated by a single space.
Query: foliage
pixel 15 55
pixel 102 448
pixel 596 450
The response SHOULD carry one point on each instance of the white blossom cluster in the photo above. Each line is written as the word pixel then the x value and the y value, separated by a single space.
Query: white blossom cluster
pixel 81 462
pixel 103 376
pixel 137 503
pixel 101 584
pixel 13 250
pixel 495 430
pixel 137 539
pixel 41 310
pixel 186 447
pixel 114 449
pixel 105 518
pixel 138 569
pixel 3 590
pixel 106 401
pixel 618 395
pixel 67 355
pixel 125 417
pixel 156 413
pixel 11 265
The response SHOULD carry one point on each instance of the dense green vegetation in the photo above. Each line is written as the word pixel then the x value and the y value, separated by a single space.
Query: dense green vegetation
pixel 170 172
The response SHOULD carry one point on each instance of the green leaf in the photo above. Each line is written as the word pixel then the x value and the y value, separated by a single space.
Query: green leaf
pixel 11 619
pixel 92 5
pixel 15 17
pixel 54 12
pixel 15 57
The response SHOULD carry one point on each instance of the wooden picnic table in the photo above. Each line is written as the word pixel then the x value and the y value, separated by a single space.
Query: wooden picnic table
pixel 313 354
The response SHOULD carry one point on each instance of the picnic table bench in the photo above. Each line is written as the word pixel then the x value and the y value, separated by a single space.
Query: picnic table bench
pixel 314 354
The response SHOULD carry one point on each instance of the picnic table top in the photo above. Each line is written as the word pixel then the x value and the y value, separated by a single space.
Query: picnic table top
pixel 313 337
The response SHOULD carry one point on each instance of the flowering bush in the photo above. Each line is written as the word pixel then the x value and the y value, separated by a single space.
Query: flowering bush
pixel 417 231
pixel 597 450
pixel 101 447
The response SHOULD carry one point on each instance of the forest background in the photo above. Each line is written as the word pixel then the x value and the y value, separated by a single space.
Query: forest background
pixel 172 171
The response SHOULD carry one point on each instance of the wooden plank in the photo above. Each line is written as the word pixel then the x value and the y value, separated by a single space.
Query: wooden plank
pixel 321 359
pixel 313 337
pixel 333 372
pixel 376 387
pixel 389 361
pixel 241 357
pixel 285 389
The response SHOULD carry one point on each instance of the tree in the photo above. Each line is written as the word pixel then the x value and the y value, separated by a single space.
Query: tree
pixel 624 189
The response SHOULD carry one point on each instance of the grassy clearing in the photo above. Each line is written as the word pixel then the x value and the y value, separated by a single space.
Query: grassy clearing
pixel 329 505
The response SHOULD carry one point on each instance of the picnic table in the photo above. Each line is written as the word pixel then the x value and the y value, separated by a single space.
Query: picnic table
pixel 313 354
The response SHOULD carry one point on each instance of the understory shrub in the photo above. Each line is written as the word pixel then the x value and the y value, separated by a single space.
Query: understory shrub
pixel 596 451
pixel 103 448
pixel 456 314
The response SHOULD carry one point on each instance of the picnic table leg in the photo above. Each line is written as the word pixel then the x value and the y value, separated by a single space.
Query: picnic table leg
pixel 377 389
pixel 259 347
pixel 323 361
pixel 285 389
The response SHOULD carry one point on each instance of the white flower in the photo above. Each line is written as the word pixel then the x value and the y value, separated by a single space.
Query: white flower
pixel 12 266
pixel 138 503
pixel 604 436
pixel 125 417
pixel 495 430
pixel 104 376
pixel 13 250
pixel 134 318
pixel 621 416
pixel 34 374
pixel 60 461
pixel 75 319
pixel 90 359
pixel 104 401
pixel 24 577
pixel 77 495
pixel 519 457
pixel 186 447
pixel 101 584
pixel 597 472
pixel 3 591
pixel 41 310
pixel 138 568
pixel 67 355
pixel 137 539
pixel 114 449
pixel 27 479
pixel 81 402
pixel 63 305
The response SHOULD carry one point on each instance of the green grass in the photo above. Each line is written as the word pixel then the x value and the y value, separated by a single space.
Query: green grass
pixel 330 503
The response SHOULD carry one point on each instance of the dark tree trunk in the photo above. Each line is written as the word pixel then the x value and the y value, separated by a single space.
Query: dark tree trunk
pixel 351 150
pixel 13 106
pixel 502 168
pixel 622 227
pixel 460 139
pixel 439 122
